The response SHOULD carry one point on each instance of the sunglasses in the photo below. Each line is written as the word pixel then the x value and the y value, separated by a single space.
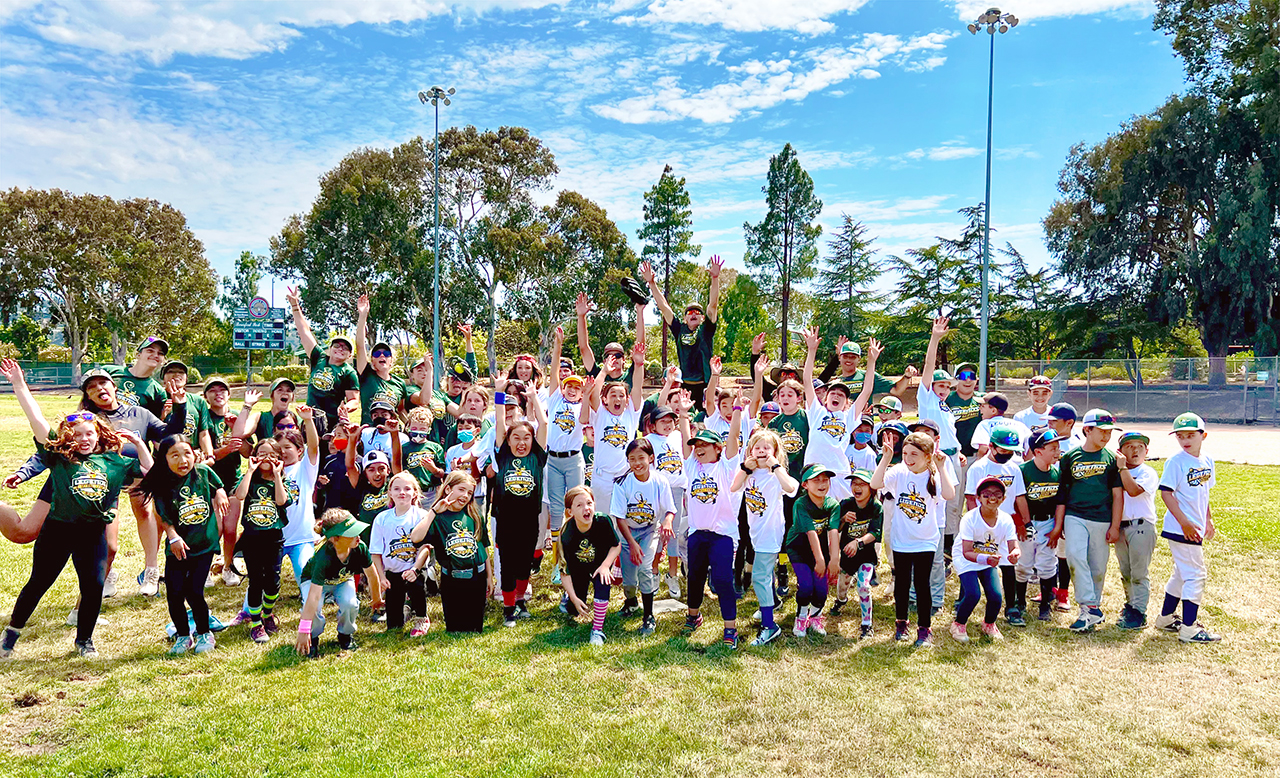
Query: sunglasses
pixel 382 353
pixel 286 426
pixel 78 417
pixel 966 375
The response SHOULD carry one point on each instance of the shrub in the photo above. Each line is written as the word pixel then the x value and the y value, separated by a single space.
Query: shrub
pixel 193 376
pixel 9 351
pixel 55 354
pixel 299 374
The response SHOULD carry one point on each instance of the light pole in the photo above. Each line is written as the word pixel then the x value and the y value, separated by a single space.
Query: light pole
pixel 994 21
pixel 434 95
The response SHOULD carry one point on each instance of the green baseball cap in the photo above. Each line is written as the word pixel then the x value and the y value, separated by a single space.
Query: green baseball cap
pixel 342 339
pixel 890 403
pixel 347 528
pixel 1006 438
pixel 941 375
pixel 216 381
pixel 861 474
pixel 281 381
pixel 159 342
pixel 97 372
pixel 814 470
pixel 706 436
pixel 851 348
pixel 172 364
pixel 1187 421
pixel 1129 437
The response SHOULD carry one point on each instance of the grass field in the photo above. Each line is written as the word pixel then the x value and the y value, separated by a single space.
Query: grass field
pixel 536 701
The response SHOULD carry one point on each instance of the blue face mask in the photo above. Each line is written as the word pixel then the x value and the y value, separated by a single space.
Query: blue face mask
pixel 465 436
pixel 862 437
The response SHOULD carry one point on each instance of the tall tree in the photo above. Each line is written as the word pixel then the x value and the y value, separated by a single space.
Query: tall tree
pixel 845 296
pixel 742 315
pixel 1027 308
pixel 667 231
pixel 239 289
pixel 782 248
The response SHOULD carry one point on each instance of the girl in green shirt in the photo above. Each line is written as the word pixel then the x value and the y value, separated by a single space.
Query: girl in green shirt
pixel 459 536
pixel 263 497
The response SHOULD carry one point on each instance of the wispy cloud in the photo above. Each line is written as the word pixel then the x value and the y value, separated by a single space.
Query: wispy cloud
pixel 949 150
pixel 1047 9
pixel 808 18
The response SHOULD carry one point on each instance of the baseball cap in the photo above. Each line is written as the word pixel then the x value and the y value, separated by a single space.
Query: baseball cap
pixel 174 364
pixel 614 347
pixel 216 381
pixel 837 384
pixel 1043 437
pixel 281 381
pixel 706 436
pixel 1040 381
pixel 814 470
pixel 941 375
pixel 381 405
pixel 891 403
pixel 990 480
pixel 97 372
pixel 511 398
pixel 342 339
pixel 928 424
pixel 896 426
pixel 695 307
pixel 374 457
pixel 969 367
pixel 1100 418
pixel 418 363
pixel 997 401
pixel 462 372
pixel 771 407
pixel 861 473
pixel 154 341
pixel 347 528
pixel 1129 437
pixel 1063 411
pixel 864 420
pixel 566 362
pixel 1188 421
pixel 663 412
pixel 851 348
pixel 1006 438
pixel 775 375
pixel 576 380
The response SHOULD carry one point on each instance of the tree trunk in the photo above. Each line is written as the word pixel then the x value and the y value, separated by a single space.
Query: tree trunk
pixel 117 349
pixel 490 348
pixel 666 291
pixel 786 306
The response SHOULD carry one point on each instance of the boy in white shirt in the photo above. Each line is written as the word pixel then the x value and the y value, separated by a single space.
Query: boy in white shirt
pixel 1188 522
pixel 1039 389
pixel 833 417
pixel 993 406
pixel 1002 464
pixel 1135 539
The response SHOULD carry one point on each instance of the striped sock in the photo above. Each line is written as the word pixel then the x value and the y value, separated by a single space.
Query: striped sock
pixel 269 603
pixel 255 613
pixel 599 609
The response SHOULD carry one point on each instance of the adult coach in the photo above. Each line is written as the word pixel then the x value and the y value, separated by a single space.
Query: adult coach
pixel 847 360
pixel 694 333
pixel 333 381
pixel 613 354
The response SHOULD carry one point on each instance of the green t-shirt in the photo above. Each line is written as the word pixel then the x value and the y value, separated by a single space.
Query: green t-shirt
pixel 517 490
pixel 460 542
pixel 1085 481
pixel 326 569
pixel 220 427
pixel 197 419
pixel 1042 491
pixel 148 392
pixel 855 382
pixel 86 491
pixel 443 423
pixel 260 512
pixel 416 455
pixel 375 387
pixel 794 431
pixel 967 415
pixel 807 516
pixel 373 500
pixel 588 459
pixel 189 510
pixel 328 385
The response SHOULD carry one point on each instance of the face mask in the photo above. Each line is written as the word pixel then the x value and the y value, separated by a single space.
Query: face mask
pixel 339 444
pixel 862 437
pixel 465 436
pixel 1000 456
pixel 417 436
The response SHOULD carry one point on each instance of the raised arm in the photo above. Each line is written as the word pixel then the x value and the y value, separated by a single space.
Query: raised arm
pixel 300 320
pixel 247 418
pixel 310 432
pixel 811 343
pixel 39 425
pixel 362 332
pixel 877 478
pixel 557 346
pixel 713 381
pixel 540 414
pixel 713 300
pixel 931 355
pixel 735 426
pixel 651 279
pixel 352 432
pixel 582 306
pixel 589 400
pixel 637 377
pixel 874 350
pixel 499 411
pixel 682 421
pixel 757 380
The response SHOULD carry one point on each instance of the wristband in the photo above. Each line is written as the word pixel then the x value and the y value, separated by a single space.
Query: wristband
pixel 775 466
pixel 175 540
pixel 499 398
pixel 737 407
pixel 304 627
pixel 743 467
pixel 982 559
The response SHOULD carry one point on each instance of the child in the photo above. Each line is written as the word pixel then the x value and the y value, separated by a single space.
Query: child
pixel 1188 522
pixel 792 426
pixel 564 441
pixel 263 497
pixel 1004 445
pixel 1062 420
pixel 811 545
pixel 467 453
pixel 615 416
pixel 861 524
pixel 993 406
pixel 1039 390
pixel 713 518
pixel 860 453
pixel 459 536
pixel 591 546
pixel 423 457
pixel 1034 518
pixel 300 459
pixel 331 573
pixel 941 555
pixel 220 421
pixel 190 502
pixel 643 509
pixel 1136 540
pixel 1090 500
pixel 517 472
pixel 398 562
pixel 919 487
pixel 831 420
pixel 888 409
pixel 889 437
pixel 669 460
pixel 764 483
pixel 986 537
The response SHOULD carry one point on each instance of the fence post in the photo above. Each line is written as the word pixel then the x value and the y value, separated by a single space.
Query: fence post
pixel 1244 409
pixel 1088 381
pixel 1191 366
pixel 1137 374
pixel 1275 391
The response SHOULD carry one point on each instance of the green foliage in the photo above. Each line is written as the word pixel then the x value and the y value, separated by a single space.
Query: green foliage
pixel 27 336
pixel 667 231
pixel 299 374
pixel 742 315
pixel 845 296
pixel 241 288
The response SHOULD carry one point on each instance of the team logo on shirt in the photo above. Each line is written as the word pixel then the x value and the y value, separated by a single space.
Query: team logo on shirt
pixel 690 338
pixel 462 543
pixel 753 498
pixel 834 425
pixel 1198 476
pixel 90 483
pixel 386 395
pixel 1083 470
pixel 565 419
pixel 1005 478
pixel 127 394
pixel 964 412
pixel 192 508
pixel 401 547
pixel 704 489
pixel 792 440
pixel 322 381
pixel 291 488
pixel 586 473
pixel 586 551
pixel 1042 491
pixel 670 462
pixel 639 511
pixel 417 458
pixel 856 528
pixel 374 502
pixel 913 506
pixel 262 511
pixel 987 546
pixel 615 435
pixel 519 481
pixel 189 427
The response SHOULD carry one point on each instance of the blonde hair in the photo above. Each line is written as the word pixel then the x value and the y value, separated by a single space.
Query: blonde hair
pixel 768 436
pixel 421 414
pixel 483 391
pixel 451 480
pixel 405 475
pixel 574 494
pixel 65 443
pixel 926 446
pixel 332 518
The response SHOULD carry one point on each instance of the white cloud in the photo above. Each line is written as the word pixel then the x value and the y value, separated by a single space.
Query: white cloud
pixel 808 18
pixel 763 84
pixel 949 150
pixel 969 10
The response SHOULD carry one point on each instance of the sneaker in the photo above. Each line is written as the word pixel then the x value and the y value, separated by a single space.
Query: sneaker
pixel 900 631
pixel 378 615
pixel 259 634
pixel 420 627
pixel 522 610
pixel 1060 601
pixel 314 652
pixel 801 627
pixel 875 578
pixel 691 624
pixel 109 585
pixel 1033 594
pixel 8 642
pixel 782 593
pixel 767 635
pixel 1015 618
pixel 1095 614
pixel 270 624
pixel 818 625
pixel 205 643
pixel 73 619
pixel 730 641
pixel 865 632
pixel 757 616
pixel 837 607
pixel 564 603
pixel 1088 619
pixel 597 638
pixel 346 642
pixel 229 576
pixel 958 632
pixel 242 617
pixel 629 608
pixel 648 626
pixel 181 646
pixel 1196 633
pixel 211 580
pixel 993 632
pixel 86 649
pixel 924 638
pixel 1131 618
pixel 673 587
pixel 555 576
pixel 149 582
pixel 509 617
pixel 1169 623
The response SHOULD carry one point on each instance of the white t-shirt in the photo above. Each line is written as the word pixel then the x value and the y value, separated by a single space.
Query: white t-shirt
pixel 390 538
pixel 1144 505
pixel 1190 478
pixel 613 433
pixel 862 458
pixel 481 450
pixel 982 433
pixel 1009 474
pixel 930 407
pixel 641 503
pixel 1028 418
pixel 986 539
pixel 762 496
pixel 720 425
pixel 940 510
pixel 565 431
pixel 914 528
pixel 829 436
pixel 372 440
pixel 668 458
pixel 710 504
pixel 300 481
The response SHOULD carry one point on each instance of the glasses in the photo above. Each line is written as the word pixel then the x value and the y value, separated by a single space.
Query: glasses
pixel 966 375
pixel 286 426
pixel 78 417
pixel 382 353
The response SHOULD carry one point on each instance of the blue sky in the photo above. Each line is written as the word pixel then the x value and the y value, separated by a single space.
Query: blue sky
pixel 232 110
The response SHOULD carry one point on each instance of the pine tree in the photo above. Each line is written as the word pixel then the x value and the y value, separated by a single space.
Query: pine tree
pixel 667 231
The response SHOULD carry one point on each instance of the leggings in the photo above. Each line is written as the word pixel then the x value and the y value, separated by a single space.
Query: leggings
pixel 463 600
pixel 585 584
pixel 517 540
pixel 862 578
pixel 85 543
pixel 262 553
pixel 811 588
pixel 415 591
pixel 712 552
pixel 184 585
pixel 908 568
pixel 970 583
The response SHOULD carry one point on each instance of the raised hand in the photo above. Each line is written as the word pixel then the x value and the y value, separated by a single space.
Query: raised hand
pixel 130 437
pixel 757 343
pixel 637 353
pixel 305 412
pixel 362 305
pixel 251 397
pixel 715 266
pixel 646 272
pixel 391 425
pixel 558 337
pixel 499 383
pixel 716 366
pixel 940 326
pixel 811 338
pixel 291 294
pixel 762 363
pixel 176 386
pixel 874 349
pixel 673 374
pixel 582 305
pixel 911 371
pixel 840 341
pixel 12 371
pixel 466 330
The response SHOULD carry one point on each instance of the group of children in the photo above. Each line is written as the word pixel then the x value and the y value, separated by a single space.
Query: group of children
pixel 469 498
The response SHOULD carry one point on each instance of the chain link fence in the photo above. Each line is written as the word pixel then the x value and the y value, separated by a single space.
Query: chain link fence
pixel 49 375
pixel 1241 390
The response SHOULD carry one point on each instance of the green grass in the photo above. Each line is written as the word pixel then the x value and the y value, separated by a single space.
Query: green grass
pixel 536 701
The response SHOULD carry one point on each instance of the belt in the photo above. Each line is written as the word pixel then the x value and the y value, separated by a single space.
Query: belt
pixel 564 454
pixel 463 574
pixel 950 451
pixel 1131 522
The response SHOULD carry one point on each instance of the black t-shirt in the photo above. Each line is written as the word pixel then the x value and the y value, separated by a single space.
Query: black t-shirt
pixel 517 489
pixel 584 552
pixel 855 523
pixel 339 493
pixel 693 349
